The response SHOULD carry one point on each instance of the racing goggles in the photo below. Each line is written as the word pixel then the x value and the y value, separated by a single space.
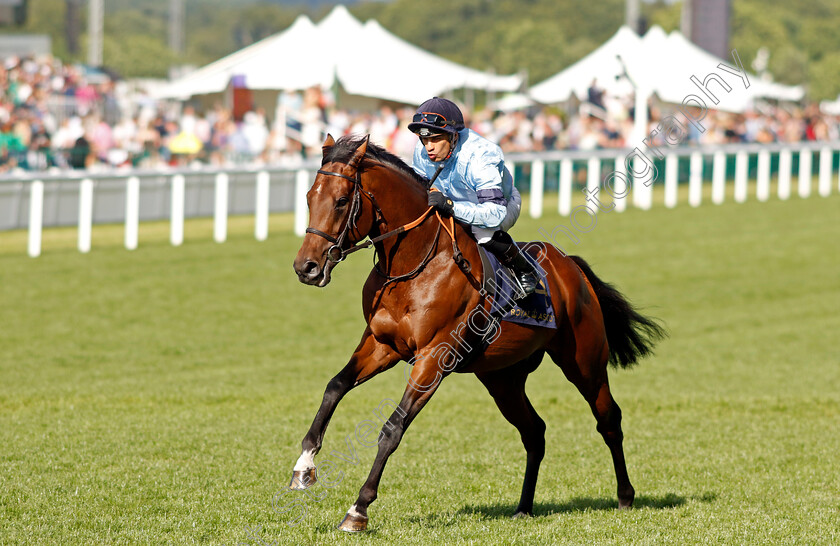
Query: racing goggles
pixel 432 119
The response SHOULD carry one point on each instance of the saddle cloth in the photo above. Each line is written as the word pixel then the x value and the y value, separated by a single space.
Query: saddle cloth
pixel 533 310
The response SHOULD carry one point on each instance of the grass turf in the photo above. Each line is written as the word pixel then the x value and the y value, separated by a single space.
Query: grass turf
pixel 159 396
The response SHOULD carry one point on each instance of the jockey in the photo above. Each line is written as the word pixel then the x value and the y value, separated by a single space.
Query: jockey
pixel 474 185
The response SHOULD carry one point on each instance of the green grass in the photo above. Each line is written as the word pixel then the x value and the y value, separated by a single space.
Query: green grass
pixel 159 396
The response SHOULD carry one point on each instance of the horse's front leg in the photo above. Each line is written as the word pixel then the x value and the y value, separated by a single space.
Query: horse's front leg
pixel 422 384
pixel 369 358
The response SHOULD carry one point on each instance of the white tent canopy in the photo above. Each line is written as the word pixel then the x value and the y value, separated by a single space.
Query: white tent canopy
pixel 831 107
pixel 660 64
pixel 602 65
pixel 365 59
pixel 214 77
pixel 407 73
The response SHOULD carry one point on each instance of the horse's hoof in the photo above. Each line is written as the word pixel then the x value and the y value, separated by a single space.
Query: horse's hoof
pixel 626 496
pixel 302 479
pixel 353 523
pixel 522 515
pixel 625 504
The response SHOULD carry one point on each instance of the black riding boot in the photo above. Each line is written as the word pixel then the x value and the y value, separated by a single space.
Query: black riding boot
pixel 503 247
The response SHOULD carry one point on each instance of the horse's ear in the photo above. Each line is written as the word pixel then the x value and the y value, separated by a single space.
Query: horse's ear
pixel 330 142
pixel 360 152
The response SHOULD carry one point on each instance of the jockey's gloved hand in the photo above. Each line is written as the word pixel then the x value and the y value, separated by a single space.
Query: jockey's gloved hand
pixel 441 202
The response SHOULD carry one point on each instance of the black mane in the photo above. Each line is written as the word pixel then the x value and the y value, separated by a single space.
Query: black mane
pixel 344 148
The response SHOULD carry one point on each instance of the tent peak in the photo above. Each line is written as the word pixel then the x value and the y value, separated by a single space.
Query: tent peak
pixel 301 22
pixel 624 29
pixel 656 30
pixel 339 10
pixel 340 17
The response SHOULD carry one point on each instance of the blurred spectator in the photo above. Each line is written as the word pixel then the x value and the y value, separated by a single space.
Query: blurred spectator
pixel 596 95
pixel 80 154
pixel 59 116
pixel 11 147
pixel 255 132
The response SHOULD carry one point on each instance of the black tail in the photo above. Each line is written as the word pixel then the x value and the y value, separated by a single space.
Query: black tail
pixel 631 335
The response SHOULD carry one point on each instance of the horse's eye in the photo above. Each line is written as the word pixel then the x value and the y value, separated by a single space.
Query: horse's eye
pixel 342 201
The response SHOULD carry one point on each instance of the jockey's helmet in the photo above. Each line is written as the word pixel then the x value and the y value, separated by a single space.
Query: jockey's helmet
pixel 436 116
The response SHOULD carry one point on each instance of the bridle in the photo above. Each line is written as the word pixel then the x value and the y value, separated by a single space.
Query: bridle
pixel 336 253
pixel 353 216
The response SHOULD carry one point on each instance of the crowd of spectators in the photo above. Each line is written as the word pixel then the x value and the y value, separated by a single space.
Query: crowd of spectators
pixel 60 116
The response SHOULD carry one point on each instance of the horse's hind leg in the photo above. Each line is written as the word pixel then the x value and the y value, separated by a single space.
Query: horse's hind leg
pixel 593 385
pixel 507 387
pixel 608 415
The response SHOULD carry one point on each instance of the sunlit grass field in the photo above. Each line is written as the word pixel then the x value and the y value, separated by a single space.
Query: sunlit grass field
pixel 159 396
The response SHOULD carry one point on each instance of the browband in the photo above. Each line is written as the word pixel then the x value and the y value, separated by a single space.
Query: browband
pixel 328 173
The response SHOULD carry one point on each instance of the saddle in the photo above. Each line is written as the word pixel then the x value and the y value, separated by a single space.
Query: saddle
pixel 501 290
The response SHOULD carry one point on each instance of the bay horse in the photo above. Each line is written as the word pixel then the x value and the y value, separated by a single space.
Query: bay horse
pixel 418 298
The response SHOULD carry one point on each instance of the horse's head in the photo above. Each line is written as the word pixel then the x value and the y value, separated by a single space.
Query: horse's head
pixel 340 214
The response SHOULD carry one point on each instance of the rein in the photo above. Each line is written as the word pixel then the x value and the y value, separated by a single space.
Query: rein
pixel 336 253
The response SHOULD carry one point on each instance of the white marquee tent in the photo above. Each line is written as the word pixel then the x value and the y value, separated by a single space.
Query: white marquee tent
pixel 831 107
pixel 660 64
pixel 603 65
pixel 365 59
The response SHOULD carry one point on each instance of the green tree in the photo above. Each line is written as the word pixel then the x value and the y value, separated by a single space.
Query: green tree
pixel 823 77
pixel 540 36
pixel 135 55
pixel 47 17
pixel 789 65
pixel 253 23
pixel 530 45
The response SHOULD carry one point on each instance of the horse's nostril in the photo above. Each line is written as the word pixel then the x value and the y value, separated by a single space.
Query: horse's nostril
pixel 310 269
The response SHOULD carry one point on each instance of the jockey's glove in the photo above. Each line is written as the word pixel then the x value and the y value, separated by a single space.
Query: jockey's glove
pixel 442 203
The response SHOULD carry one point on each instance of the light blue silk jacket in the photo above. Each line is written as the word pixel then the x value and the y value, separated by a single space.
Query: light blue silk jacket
pixel 474 177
